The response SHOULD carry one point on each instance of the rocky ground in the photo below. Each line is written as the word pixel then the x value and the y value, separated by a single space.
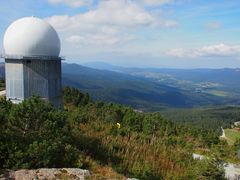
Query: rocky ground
pixel 46 174
pixel 53 174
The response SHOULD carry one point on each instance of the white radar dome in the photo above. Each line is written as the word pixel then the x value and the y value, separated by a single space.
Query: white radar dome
pixel 31 36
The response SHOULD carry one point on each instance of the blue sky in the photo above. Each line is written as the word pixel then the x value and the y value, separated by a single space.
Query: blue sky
pixel 140 33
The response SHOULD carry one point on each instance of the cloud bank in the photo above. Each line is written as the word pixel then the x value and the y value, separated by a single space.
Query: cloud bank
pixel 111 22
pixel 217 50
pixel 80 3
pixel 72 3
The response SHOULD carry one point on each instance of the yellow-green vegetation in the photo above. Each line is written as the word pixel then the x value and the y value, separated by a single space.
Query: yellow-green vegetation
pixel 34 135
pixel 232 135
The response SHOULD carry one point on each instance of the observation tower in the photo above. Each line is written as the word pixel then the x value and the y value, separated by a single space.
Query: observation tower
pixel 32 62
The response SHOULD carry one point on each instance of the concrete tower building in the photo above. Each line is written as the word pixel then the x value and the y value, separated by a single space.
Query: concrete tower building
pixel 32 62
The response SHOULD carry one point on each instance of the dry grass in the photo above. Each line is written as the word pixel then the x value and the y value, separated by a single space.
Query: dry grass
pixel 136 155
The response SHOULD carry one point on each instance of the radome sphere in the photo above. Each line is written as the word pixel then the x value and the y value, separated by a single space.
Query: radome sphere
pixel 31 36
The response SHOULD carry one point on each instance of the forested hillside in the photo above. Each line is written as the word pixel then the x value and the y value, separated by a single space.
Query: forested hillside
pixel 111 140
pixel 211 118
pixel 139 92
pixel 152 90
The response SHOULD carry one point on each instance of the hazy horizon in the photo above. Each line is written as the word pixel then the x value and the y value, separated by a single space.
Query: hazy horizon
pixel 90 63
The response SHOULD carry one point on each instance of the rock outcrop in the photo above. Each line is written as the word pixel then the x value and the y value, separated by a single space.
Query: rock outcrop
pixel 46 174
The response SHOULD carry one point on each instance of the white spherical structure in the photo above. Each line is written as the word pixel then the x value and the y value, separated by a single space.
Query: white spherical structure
pixel 29 37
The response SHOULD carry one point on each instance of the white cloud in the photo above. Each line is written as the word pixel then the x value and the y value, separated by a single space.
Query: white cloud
pixel 157 2
pixel 97 39
pixel 80 3
pixel 110 23
pixel 170 23
pixel 72 3
pixel 160 2
pixel 218 50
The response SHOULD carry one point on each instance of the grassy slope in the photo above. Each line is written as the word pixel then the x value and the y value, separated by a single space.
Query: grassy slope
pixel 232 135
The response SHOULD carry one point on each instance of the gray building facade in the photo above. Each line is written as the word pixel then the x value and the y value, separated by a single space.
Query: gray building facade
pixel 26 77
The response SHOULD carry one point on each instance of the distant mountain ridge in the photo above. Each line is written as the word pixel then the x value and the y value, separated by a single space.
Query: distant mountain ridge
pixel 226 75
pixel 147 89
pixel 219 82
